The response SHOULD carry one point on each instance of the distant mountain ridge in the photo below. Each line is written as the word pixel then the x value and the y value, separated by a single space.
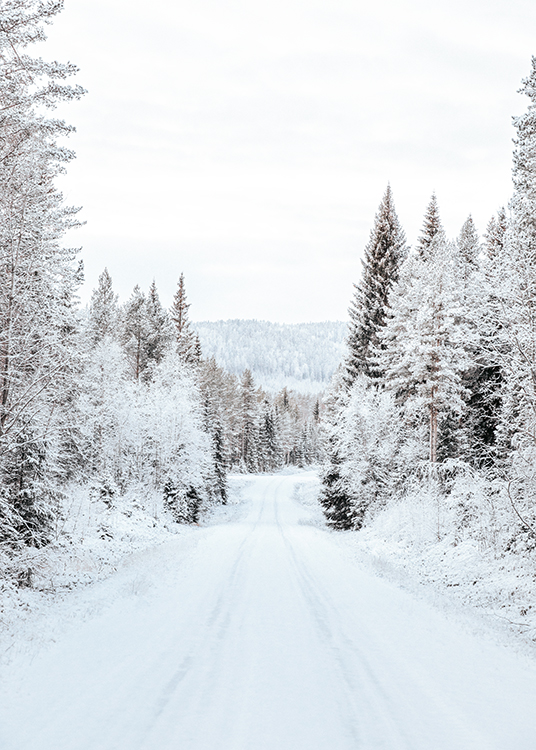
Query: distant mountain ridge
pixel 301 356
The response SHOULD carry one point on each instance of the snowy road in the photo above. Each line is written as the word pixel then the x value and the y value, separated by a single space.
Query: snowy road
pixel 263 634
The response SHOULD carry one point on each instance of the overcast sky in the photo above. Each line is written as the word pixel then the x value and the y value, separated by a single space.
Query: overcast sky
pixel 249 143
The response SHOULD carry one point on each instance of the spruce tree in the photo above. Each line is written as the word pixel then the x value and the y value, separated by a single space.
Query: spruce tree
pixel 431 227
pixel 495 236
pixel 159 327
pixel 187 343
pixel 103 312
pixel 469 245
pixel 210 382
pixel 336 496
pixel 269 443
pixel 483 380
pixel 135 332
pixel 248 423
pixel 38 275
pixel 424 354
pixel 516 309
pixel 385 250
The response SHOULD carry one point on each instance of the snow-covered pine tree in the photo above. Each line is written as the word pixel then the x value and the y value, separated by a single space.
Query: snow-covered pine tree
pixel 107 410
pixel 103 311
pixel 38 277
pixel 469 246
pixel 516 309
pixel 384 254
pixel 249 413
pixel 483 381
pixel 159 327
pixel 336 495
pixel 187 342
pixel 459 439
pixel 385 251
pixel 495 235
pixel 371 433
pixel 269 445
pixel 424 351
pixel 431 227
pixel 135 332
pixel 210 383
pixel 488 442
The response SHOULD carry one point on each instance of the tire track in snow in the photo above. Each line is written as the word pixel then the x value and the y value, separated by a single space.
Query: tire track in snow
pixel 207 646
pixel 366 693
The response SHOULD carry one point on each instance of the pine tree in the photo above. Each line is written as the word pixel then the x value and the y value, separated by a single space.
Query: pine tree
pixel 336 495
pixel 159 327
pixel 431 227
pixel 495 236
pixel 103 311
pixel 516 307
pixel 187 342
pixel 424 354
pixel 469 245
pixel 269 443
pixel 249 423
pixel 135 332
pixel 370 435
pixel 482 381
pixel 384 252
pixel 210 381
pixel 38 277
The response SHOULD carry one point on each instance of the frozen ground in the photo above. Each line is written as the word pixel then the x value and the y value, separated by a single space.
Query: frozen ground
pixel 259 631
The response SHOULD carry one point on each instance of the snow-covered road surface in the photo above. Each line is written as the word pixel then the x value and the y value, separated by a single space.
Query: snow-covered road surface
pixel 262 633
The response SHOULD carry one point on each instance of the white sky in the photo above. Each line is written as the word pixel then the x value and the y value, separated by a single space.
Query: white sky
pixel 249 144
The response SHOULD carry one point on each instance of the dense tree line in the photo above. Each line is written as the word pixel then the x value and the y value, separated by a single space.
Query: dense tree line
pixel 118 396
pixel 437 392
pixel 302 356
pixel 249 428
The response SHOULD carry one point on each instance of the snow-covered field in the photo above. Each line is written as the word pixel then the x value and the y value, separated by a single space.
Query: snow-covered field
pixel 259 630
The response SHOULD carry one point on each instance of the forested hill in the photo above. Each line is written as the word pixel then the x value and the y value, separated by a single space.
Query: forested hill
pixel 301 356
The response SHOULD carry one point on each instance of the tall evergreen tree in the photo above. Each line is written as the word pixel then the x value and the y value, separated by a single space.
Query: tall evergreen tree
pixel 38 277
pixel 249 423
pixel 483 380
pixel 424 357
pixel 269 444
pixel 516 308
pixel 336 495
pixel 187 342
pixel 385 251
pixel 431 227
pixel 495 236
pixel 469 245
pixel 135 332
pixel 103 311
pixel 159 327
pixel 210 381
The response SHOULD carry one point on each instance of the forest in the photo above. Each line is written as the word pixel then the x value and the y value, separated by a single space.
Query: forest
pixel 108 413
pixel 301 356
pixel 116 412
pixel 431 419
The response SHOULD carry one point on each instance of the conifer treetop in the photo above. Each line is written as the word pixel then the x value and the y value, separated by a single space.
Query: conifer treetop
pixel 188 346
pixel 103 311
pixel 179 308
pixel 523 203
pixel 495 235
pixel 384 252
pixel 431 227
pixel 469 242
